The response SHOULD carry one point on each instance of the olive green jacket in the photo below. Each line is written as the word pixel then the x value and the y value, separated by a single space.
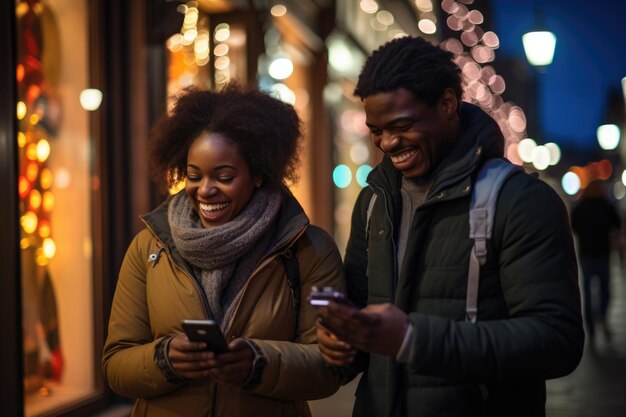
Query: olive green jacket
pixel 529 325
pixel 157 290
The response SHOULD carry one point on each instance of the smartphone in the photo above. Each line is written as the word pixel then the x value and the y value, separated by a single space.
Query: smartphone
pixel 207 331
pixel 322 296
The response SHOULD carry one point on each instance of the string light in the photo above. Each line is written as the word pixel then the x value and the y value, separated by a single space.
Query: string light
pixel 473 53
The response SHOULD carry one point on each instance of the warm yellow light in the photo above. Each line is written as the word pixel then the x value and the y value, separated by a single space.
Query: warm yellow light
pixel 90 99
pixel 31 171
pixel 44 228
pixel 222 32
pixel 278 10
pixel 424 5
pixel 222 63
pixel 49 248
pixel 34 119
pixel 29 222
pixel 41 260
pixel 24 243
pixel 23 185
pixel 281 67
pixel 45 178
pixel 43 150
pixel 427 26
pixel 221 49
pixel 21 139
pixel 177 187
pixel 48 201
pixel 19 73
pixel 35 199
pixel 21 110
pixel 31 151
pixel 385 17
pixel 369 6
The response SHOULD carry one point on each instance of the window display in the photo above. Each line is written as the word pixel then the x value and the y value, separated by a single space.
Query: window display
pixel 54 186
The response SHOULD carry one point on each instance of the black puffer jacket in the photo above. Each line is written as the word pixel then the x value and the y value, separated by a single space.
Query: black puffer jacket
pixel 529 324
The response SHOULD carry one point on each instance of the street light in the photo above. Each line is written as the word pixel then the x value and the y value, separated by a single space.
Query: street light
pixel 539 47
pixel 539 44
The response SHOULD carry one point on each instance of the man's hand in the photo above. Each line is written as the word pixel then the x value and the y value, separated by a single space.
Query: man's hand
pixel 378 328
pixel 334 351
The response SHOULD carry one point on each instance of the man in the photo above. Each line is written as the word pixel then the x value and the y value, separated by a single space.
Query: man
pixel 407 263
pixel 596 223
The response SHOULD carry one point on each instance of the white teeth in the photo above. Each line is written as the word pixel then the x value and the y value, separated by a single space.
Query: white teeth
pixel 212 207
pixel 396 159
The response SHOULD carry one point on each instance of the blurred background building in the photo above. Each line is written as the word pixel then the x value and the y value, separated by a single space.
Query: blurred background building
pixel 85 80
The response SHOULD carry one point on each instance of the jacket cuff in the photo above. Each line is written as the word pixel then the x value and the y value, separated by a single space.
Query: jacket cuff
pixel 163 361
pixel 404 353
pixel 258 365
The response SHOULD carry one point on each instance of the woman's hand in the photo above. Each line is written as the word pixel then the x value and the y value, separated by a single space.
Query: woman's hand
pixel 234 366
pixel 189 359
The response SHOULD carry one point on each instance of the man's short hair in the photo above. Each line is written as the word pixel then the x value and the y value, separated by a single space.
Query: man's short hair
pixel 411 63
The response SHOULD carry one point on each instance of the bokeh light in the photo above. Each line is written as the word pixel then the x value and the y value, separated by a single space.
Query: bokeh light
pixel 342 176
pixel 570 183
pixel 361 174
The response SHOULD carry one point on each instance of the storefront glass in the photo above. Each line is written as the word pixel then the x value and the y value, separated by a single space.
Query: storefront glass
pixel 55 187
pixel 354 153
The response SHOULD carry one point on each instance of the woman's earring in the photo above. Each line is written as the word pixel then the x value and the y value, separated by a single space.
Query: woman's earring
pixel 258 183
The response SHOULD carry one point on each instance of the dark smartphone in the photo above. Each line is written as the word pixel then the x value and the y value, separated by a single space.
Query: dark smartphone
pixel 207 331
pixel 322 296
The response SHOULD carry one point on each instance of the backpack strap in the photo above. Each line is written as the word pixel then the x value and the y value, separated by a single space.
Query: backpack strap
pixel 370 207
pixel 290 262
pixel 482 212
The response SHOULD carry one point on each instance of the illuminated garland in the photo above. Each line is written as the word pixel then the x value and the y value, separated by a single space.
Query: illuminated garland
pixel 473 51
pixel 35 128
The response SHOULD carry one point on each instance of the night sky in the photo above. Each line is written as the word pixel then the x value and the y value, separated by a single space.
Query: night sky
pixel 590 59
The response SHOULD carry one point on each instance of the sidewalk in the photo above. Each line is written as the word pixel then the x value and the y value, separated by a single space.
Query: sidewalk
pixel 597 388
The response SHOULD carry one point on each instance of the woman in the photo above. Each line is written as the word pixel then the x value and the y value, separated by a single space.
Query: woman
pixel 218 250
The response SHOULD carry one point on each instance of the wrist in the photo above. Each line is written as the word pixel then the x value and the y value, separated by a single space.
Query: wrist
pixel 161 357
pixel 259 361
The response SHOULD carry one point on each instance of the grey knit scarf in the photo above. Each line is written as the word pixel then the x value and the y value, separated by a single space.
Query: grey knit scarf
pixel 224 256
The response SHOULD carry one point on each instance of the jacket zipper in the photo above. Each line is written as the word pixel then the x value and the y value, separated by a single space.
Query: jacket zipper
pixel 205 303
pixel 265 261
pixel 393 240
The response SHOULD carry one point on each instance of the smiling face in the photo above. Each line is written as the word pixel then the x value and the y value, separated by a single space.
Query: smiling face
pixel 415 135
pixel 219 182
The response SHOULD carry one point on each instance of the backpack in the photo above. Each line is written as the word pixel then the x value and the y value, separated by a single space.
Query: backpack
pixel 489 180
pixel 289 259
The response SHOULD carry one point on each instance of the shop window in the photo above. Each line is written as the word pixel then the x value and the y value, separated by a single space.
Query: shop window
pixel 209 51
pixel 55 188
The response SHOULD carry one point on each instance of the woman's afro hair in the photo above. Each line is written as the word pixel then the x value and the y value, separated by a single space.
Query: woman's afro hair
pixel 266 131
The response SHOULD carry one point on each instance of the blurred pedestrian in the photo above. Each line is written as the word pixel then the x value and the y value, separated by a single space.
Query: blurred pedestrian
pixel 234 246
pixel 596 223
